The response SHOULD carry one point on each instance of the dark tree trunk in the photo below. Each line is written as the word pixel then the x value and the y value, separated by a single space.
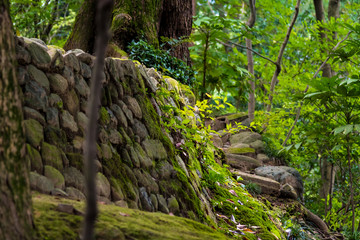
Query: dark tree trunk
pixel 249 55
pixel 15 199
pixel 83 33
pixel 176 22
pixel 135 19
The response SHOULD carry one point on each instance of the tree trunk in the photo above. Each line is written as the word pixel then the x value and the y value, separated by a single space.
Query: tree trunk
pixel 250 24
pixel 83 33
pixel 327 172
pixel 131 19
pixel 176 22
pixel 15 199
pixel 136 19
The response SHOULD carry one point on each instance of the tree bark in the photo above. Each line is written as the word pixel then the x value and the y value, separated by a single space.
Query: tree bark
pixel 15 199
pixel 327 172
pixel 250 24
pixel 176 22
pixel 131 19
pixel 83 33
pixel 103 12
pixel 136 19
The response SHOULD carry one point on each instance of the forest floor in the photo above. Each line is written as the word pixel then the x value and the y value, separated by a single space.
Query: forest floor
pixel 60 218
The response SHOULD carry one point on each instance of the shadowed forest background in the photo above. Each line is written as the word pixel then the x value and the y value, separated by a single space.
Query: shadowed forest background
pixel 291 66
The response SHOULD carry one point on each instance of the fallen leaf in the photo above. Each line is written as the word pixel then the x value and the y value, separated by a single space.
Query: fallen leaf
pixel 240 227
pixel 231 201
pixel 240 202
pixel 255 227
pixel 248 231
pixel 124 214
pixel 233 219
pixel 233 193
pixel 222 216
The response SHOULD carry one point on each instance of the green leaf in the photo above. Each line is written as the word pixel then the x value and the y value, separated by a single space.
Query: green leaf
pixel 339 130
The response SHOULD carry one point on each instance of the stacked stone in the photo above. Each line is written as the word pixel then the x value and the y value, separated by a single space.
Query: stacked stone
pixel 133 166
pixel 245 155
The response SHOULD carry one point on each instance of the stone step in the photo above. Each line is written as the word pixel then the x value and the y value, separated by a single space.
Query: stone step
pixel 268 185
pixel 244 137
pixel 242 162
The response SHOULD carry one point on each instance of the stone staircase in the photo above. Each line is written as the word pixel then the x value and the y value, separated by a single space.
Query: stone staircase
pixel 246 158
pixel 282 186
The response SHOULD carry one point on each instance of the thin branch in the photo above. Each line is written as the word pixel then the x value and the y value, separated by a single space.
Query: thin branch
pixel 103 12
pixel 238 45
pixel 307 88
pixel 281 53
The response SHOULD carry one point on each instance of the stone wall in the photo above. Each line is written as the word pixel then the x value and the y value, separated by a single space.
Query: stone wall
pixel 136 161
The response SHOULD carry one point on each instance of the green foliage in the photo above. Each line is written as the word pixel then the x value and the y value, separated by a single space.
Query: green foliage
pixel 253 188
pixel 218 67
pixel 161 60
pixel 51 21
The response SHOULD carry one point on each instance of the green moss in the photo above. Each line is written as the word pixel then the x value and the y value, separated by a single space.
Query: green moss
pixel 56 136
pixel 58 48
pixel 236 116
pixel 121 52
pixel 34 132
pixel 114 168
pixel 246 210
pixel 151 119
pixel 34 158
pixel 241 150
pixel 76 160
pixel 125 136
pixel 104 116
pixel 186 92
pixel 51 155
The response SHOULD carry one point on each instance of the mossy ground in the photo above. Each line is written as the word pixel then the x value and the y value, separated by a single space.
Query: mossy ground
pixel 114 223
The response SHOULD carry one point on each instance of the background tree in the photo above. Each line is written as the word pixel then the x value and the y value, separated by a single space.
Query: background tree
pixel 15 200
pixel 327 168
pixel 249 54
pixel 149 19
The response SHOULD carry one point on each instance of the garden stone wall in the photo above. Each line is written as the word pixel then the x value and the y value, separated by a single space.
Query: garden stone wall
pixel 137 166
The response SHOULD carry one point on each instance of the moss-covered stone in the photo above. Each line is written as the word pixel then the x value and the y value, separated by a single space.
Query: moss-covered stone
pixel 187 94
pixel 40 183
pixel 104 116
pixel 151 118
pixel 134 224
pixel 71 102
pixel 34 132
pixel 56 136
pixel 35 159
pixel 236 116
pixel 106 151
pixel 173 205
pixel 103 185
pixel 51 156
pixel 76 160
pixel 240 150
pixel 125 136
pixel 55 176
pixel 38 53
pixel 116 191
pixel 154 148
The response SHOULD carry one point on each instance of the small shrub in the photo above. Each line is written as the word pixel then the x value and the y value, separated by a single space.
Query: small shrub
pixel 162 61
